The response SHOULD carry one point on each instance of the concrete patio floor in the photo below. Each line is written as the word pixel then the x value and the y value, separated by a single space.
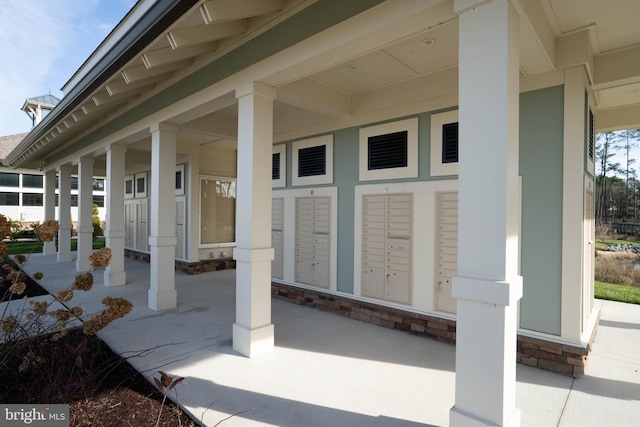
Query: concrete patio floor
pixel 327 370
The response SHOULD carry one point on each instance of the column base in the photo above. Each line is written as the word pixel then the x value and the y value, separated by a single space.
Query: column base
pixel 49 248
pixel 163 300
pixel 82 265
pixel 253 342
pixel 65 257
pixel 115 278
pixel 459 418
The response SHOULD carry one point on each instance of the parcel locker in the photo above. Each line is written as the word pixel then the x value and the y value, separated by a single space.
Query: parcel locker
pixel 387 247
pixel 277 227
pixel 129 221
pixel 446 249
pixel 180 227
pixel 313 240
pixel 141 225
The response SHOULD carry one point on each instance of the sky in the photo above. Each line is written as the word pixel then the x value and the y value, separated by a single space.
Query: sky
pixel 43 43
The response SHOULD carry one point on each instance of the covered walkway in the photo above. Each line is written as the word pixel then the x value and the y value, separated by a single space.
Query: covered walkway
pixel 328 370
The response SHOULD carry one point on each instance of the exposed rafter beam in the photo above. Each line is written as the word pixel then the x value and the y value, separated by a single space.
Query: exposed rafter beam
pixel 166 55
pixel 121 86
pixel 198 34
pixel 140 72
pixel 226 10
pixel 103 98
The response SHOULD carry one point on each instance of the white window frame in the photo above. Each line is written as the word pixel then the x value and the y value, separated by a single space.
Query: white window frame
pixel 282 150
pixel 437 121
pixel 133 188
pixel 327 178
pixel 409 171
pixel 140 194
pixel 211 178
pixel 180 191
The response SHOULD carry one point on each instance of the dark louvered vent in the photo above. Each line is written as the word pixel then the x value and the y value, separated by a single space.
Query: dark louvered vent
pixel 179 180
pixel 388 151
pixel 590 135
pixel 275 166
pixel 312 161
pixel 450 143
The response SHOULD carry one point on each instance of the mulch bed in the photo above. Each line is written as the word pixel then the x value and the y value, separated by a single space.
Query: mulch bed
pixel 102 390
pixel 33 288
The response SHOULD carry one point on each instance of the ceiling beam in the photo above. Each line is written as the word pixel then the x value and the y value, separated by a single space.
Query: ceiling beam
pixel 312 95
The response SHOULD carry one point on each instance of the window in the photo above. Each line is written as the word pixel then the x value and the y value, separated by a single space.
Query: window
pixel 9 199
pixel 32 199
pixel 128 187
pixel 444 143
pixel 279 166
pixel 98 184
pixel 140 185
pixel 9 180
pixel 32 181
pixel 313 161
pixel 217 211
pixel 74 200
pixel 99 201
pixel 74 182
pixel 389 151
pixel 180 180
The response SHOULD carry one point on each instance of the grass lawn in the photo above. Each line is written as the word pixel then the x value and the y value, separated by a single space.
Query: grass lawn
pixel 622 293
pixel 36 247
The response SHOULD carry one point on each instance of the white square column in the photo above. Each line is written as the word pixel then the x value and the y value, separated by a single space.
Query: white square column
pixel 487 285
pixel 253 330
pixel 114 273
pixel 85 205
pixel 162 238
pixel 49 207
pixel 64 213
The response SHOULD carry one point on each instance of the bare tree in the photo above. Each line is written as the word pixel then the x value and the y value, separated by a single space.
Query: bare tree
pixel 606 148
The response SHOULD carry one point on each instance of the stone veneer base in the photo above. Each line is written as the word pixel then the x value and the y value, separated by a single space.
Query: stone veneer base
pixel 186 266
pixel 552 356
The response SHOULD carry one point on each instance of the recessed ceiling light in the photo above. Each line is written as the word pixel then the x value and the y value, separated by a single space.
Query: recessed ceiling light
pixel 429 41
pixel 353 67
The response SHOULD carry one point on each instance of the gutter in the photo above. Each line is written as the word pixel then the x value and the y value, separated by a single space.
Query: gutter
pixel 152 24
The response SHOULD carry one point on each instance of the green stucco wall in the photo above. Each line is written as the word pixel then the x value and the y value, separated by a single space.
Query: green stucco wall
pixel 541 148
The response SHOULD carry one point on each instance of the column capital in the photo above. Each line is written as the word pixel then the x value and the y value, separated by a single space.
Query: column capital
pixel 115 147
pixel 256 88
pixel 87 159
pixel 163 127
pixel 461 6
pixel 65 167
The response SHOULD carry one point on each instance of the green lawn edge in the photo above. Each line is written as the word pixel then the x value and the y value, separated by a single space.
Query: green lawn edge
pixel 615 292
pixel 36 247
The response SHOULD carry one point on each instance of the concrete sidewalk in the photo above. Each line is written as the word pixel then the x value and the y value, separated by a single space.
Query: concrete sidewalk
pixel 327 370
